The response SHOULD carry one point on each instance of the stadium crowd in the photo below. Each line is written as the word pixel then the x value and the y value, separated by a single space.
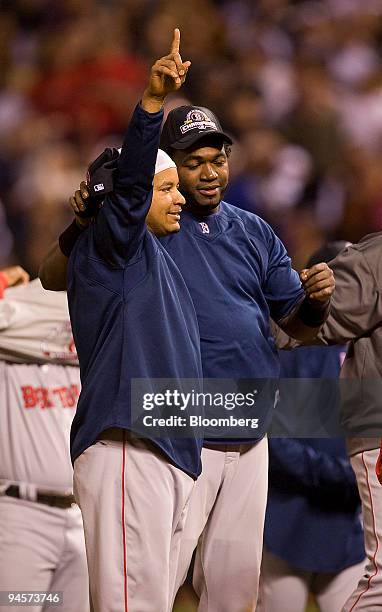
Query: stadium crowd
pixel 307 124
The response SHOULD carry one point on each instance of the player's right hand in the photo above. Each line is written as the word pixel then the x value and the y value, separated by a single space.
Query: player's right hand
pixel 15 275
pixel 77 202
pixel 169 72
pixel 318 282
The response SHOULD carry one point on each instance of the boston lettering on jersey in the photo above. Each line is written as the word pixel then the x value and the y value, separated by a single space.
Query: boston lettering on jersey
pixel 43 397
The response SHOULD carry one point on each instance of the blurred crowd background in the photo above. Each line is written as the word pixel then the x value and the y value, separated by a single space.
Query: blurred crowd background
pixel 297 83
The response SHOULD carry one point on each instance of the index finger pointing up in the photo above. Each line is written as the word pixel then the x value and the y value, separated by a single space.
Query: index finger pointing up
pixel 175 41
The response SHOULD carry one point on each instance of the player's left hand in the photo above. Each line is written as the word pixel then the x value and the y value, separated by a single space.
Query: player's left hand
pixel 15 275
pixel 77 202
pixel 318 282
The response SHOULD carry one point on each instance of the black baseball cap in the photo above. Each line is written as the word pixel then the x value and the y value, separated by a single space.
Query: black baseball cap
pixel 185 125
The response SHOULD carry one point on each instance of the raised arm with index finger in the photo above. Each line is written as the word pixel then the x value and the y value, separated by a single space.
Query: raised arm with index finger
pixel 167 75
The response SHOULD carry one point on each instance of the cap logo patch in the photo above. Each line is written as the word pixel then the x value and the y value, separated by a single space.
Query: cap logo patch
pixel 197 120
pixel 205 228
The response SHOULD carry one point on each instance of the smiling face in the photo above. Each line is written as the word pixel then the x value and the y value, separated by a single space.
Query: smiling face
pixel 164 215
pixel 203 175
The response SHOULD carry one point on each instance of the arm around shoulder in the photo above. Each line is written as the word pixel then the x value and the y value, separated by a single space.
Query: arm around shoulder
pixel 356 306
pixel 53 268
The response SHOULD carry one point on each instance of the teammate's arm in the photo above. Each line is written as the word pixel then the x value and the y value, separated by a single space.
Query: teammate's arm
pixel 53 268
pixel 356 307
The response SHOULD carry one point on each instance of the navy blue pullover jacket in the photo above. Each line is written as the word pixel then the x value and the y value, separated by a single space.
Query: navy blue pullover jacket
pixel 312 518
pixel 131 312
pixel 239 275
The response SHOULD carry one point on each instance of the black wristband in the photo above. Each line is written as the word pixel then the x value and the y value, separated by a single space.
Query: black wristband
pixel 68 238
pixel 313 314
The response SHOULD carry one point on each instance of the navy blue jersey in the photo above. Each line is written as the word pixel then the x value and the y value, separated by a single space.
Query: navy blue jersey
pixel 312 518
pixel 131 312
pixel 239 274
pixel 309 406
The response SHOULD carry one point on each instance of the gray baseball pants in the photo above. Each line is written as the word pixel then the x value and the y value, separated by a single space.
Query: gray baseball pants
pixel 42 549
pixel 367 597
pixel 286 588
pixel 225 524
pixel 134 504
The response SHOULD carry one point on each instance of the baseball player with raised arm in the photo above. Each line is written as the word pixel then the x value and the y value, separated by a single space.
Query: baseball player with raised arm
pixel 42 547
pixel 133 318
pixel 238 273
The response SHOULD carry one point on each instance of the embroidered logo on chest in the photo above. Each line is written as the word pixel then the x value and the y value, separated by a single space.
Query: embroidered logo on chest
pixel 204 227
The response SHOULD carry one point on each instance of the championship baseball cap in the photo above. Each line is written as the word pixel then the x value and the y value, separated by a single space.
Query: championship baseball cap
pixel 186 125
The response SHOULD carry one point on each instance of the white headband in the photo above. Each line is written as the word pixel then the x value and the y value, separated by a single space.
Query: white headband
pixel 163 162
